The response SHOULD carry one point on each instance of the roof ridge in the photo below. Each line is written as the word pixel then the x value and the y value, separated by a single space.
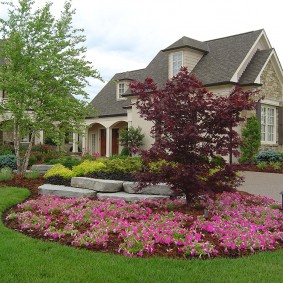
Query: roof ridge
pixel 130 71
pixel 233 35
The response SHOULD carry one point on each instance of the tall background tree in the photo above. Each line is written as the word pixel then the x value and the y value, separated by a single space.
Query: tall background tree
pixel 192 127
pixel 250 140
pixel 43 69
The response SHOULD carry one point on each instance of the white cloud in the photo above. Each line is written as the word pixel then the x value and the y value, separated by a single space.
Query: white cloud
pixel 125 35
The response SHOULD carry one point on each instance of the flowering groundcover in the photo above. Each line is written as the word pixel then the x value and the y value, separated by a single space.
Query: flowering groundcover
pixel 237 224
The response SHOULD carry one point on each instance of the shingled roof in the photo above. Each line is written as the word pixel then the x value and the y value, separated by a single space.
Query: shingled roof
pixel 255 66
pixel 222 57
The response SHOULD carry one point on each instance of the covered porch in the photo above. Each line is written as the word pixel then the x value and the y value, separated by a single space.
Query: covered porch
pixel 102 137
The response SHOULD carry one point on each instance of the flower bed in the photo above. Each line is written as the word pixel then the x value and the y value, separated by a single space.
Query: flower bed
pixel 238 224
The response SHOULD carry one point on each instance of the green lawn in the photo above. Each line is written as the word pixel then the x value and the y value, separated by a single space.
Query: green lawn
pixel 23 259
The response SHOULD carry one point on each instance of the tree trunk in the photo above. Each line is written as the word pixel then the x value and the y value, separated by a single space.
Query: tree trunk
pixel 28 152
pixel 17 145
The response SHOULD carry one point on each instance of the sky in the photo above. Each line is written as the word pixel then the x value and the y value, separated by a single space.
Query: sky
pixel 125 35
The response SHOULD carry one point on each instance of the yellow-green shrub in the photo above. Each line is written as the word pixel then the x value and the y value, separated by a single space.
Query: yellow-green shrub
pixel 157 165
pixel 59 170
pixel 88 166
pixel 124 165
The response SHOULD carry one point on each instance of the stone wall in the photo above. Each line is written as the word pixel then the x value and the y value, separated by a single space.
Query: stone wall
pixel 271 87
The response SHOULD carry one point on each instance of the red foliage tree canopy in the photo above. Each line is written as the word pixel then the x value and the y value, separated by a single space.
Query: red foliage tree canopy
pixel 191 127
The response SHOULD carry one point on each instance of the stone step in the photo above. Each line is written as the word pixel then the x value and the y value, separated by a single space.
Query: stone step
pixel 98 185
pixel 41 168
pixel 158 189
pixel 129 197
pixel 64 191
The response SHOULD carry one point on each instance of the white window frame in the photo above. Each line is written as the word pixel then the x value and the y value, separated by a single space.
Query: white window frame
pixel 121 89
pixel 268 124
pixel 177 62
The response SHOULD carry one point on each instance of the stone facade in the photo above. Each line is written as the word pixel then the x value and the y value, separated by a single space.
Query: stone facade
pixel 271 87
pixel 272 90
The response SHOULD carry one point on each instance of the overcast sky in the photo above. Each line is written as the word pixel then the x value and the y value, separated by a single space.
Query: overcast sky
pixel 124 35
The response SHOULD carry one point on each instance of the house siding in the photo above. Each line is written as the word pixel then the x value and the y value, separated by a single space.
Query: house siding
pixel 190 58
pixel 146 126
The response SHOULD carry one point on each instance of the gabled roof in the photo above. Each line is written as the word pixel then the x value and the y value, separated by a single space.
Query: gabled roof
pixel 255 66
pixel 222 59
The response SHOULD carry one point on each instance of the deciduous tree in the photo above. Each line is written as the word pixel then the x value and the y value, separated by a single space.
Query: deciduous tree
pixel 192 127
pixel 43 68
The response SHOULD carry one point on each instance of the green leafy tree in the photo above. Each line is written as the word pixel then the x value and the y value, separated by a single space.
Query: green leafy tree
pixel 250 140
pixel 42 69
pixel 131 139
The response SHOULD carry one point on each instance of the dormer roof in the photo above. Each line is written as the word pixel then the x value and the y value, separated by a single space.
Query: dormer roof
pixel 186 42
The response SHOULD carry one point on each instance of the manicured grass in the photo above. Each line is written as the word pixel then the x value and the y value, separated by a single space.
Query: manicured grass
pixel 23 259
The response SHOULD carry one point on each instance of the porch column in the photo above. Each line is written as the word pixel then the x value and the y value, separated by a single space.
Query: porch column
pixel 39 138
pixel 75 142
pixel 108 142
pixel 85 142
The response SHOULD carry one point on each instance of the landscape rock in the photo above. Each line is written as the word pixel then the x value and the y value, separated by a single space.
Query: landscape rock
pixel 158 189
pixel 98 185
pixel 64 191
pixel 41 168
pixel 129 197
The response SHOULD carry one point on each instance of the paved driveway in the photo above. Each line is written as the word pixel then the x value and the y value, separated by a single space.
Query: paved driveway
pixel 265 184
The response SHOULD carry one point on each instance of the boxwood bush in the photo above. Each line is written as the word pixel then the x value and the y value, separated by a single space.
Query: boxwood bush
pixel 123 165
pixel 67 161
pixel 59 170
pixel 88 166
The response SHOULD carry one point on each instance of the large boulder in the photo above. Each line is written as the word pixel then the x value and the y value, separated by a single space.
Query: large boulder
pixel 63 191
pixel 129 197
pixel 41 168
pixel 98 185
pixel 158 189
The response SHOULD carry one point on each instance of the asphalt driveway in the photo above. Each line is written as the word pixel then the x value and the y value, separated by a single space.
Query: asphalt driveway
pixel 265 184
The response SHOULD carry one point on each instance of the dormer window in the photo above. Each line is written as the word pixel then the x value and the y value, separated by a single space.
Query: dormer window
pixel 121 89
pixel 177 62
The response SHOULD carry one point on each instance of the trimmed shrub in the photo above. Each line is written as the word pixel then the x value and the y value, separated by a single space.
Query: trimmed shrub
pixel 124 165
pixel 59 170
pixel 112 176
pixel 262 165
pixel 88 166
pixel 66 161
pixel 276 165
pixel 6 150
pixel 8 161
pixel 268 156
pixel 6 174
pixel 34 174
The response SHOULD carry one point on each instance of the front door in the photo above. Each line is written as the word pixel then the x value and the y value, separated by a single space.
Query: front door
pixel 103 142
pixel 115 141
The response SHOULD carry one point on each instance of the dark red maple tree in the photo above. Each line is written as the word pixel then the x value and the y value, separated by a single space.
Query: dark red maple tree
pixel 192 127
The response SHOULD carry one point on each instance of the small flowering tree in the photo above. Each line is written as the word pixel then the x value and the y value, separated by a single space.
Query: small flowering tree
pixel 191 126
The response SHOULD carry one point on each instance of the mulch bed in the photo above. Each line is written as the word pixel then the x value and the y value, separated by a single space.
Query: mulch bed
pixel 254 168
pixel 161 250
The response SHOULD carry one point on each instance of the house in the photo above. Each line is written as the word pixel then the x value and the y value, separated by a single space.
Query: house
pixel 245 59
